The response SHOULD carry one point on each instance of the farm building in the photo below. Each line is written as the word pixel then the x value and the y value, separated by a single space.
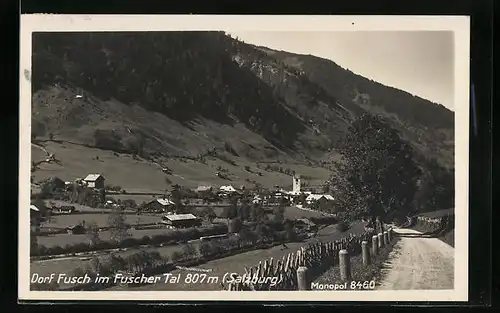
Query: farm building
pixel 318 197
pixel 202 189
pixel 94 181
pixel 227 189
pixel 34 211
pixel 321 201
pixel 67 209
pixel 158 205
pixel 76 229
pixel 181 220
pixel 35 216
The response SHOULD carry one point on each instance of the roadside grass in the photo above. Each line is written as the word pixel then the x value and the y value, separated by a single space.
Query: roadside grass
pixel 359 272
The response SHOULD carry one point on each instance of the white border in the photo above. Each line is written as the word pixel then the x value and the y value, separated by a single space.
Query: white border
pixel 460 25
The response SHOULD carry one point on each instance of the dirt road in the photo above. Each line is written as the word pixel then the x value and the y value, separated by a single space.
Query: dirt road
pixel 418 263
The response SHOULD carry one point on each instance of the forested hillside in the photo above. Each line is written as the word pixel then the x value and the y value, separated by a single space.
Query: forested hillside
pixel 188 94
pixel 183 75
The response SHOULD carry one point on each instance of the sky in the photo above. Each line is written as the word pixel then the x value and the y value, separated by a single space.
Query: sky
pixel 418 62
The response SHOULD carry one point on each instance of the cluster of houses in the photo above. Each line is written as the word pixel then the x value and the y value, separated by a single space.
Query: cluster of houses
pixel 292 196
pixel 95 181
pixel 166 206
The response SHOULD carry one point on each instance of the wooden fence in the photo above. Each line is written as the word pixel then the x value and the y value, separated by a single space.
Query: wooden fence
pixel 288 273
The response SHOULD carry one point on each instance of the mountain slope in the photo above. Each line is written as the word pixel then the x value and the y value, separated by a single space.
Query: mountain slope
pixel 428 126
pixel 202 96
pixel 181 75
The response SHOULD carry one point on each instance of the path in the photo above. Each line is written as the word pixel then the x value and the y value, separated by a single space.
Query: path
pixel 418 263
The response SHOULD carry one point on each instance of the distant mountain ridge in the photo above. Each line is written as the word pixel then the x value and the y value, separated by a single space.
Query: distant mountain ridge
pixel 178 92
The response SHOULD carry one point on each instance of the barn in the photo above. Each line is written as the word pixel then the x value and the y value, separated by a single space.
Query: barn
pixel 94 181
pixel 158 205
pixel 181 220
pixel 322 201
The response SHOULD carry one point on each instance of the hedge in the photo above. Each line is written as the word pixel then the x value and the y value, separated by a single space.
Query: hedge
pixel 170 237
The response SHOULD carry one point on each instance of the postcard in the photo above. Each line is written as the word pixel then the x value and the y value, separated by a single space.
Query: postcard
pixel 253 157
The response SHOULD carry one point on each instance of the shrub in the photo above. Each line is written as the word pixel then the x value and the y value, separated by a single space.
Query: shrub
pixel 129 242
pixel 206 249
pixel 342 226
pixel 145 240
pixel 188 251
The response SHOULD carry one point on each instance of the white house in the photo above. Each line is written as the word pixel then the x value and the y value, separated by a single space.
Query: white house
pixel 316 197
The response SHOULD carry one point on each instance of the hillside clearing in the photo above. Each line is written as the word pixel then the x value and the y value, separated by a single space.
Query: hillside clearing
pixel 147 177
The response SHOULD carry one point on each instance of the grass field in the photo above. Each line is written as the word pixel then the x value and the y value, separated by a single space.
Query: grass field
pixel 67 239
pixel 144 176
pixel 101 219
pixel 291 212
pixel 81 208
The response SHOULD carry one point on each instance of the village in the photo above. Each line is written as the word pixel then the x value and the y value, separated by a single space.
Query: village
pixel 72 208
pixel 72 222
pixel 179 209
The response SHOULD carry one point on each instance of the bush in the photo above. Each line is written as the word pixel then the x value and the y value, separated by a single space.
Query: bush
pixel 176 256
pixel 342 226
pixel 167 238
pixel 145 240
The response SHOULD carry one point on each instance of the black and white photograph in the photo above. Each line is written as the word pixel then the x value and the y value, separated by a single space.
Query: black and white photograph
pixel 179 157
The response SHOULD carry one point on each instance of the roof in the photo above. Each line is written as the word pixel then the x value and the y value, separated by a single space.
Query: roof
pixel 317 197
pixel 93 177
pixel 203 188
pixel 163 201
pixel 180 217
pixel 227 188
pixel 34 208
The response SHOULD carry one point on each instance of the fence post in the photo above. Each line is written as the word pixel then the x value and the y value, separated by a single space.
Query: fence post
pixel 303 279
pixel 380 240
pixel 375 244
pixel 366 252
pixel 345 265
pixel 389 235
pixel 386 238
